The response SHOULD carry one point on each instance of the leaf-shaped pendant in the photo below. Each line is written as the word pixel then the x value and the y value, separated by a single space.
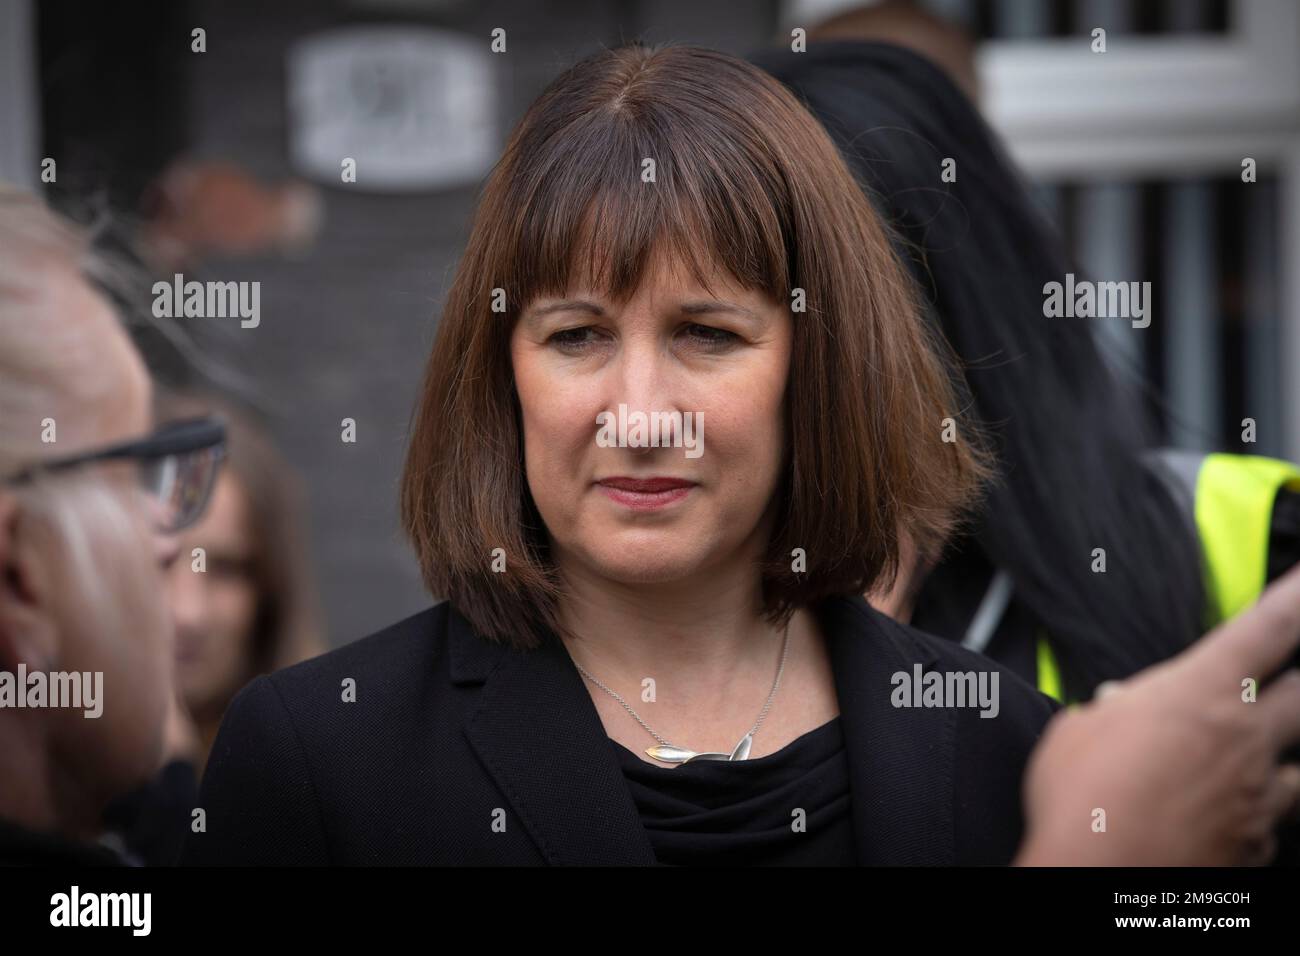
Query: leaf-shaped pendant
pixel 742 749
pixel 670 754
pixel 708 756
pixel 681 755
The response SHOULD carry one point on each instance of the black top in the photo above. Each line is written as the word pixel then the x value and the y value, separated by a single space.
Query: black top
pixel 22 846
pixel 460 751
pixel 720 813
pixel 151 821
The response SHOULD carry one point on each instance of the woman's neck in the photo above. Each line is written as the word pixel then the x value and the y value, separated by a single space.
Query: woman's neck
pixel 695 659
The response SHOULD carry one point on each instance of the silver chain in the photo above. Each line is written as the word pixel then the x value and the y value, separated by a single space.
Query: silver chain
pixel 785 645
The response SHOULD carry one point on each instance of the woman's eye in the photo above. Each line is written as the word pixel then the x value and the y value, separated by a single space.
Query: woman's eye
pixel 586 337
pixel 572 340
pixel 709 337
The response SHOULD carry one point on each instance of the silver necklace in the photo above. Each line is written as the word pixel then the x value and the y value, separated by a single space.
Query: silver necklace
pixel 669 753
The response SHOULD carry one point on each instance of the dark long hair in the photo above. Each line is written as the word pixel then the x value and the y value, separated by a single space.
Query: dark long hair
pixel 1068 434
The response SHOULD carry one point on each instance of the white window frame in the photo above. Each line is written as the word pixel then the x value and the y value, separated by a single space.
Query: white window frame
pixel 1167 108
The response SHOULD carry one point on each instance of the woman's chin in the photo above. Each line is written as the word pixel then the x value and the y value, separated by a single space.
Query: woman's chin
pixel 646 564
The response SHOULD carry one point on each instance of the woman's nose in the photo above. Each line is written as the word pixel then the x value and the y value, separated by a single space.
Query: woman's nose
pixel 645 380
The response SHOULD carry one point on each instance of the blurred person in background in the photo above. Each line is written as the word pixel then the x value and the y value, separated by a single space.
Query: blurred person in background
pixel 253 609
pixel 903 23
pixel 243 603
pixel 1190 540
pixel 90 500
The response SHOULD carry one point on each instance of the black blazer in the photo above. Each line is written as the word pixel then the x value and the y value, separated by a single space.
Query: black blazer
pixel 447 727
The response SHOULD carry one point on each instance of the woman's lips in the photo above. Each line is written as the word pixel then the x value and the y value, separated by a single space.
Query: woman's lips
pixel 645 494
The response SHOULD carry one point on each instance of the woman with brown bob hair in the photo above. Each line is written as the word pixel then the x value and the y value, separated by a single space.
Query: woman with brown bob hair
pixel 679 414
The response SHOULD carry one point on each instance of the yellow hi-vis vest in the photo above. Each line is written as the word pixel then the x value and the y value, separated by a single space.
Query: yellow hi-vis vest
pixel 1231 500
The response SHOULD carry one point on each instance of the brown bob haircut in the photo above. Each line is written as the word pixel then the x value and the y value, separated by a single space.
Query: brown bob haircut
pixel 744 173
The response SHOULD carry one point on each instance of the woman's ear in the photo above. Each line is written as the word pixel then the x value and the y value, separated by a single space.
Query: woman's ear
pixel 28 627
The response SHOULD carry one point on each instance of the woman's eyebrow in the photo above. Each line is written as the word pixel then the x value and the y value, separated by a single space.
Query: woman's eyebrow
pixel 567 305
pixel 704 308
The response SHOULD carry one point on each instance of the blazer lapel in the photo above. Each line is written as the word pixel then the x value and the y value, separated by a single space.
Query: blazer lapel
pixel 540 737
pixel 900 759
pixel 542 740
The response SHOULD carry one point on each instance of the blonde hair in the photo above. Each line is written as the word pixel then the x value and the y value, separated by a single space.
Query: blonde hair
pixel 47 363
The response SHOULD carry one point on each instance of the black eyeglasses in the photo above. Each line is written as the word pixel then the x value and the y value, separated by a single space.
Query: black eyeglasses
pixel 178 467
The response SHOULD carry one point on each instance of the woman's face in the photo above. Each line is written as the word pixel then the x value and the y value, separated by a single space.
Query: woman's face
pixel 215 609
pixel 721 362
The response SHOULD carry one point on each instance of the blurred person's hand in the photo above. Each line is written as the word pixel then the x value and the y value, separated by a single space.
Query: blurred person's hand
pixel 1184 769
